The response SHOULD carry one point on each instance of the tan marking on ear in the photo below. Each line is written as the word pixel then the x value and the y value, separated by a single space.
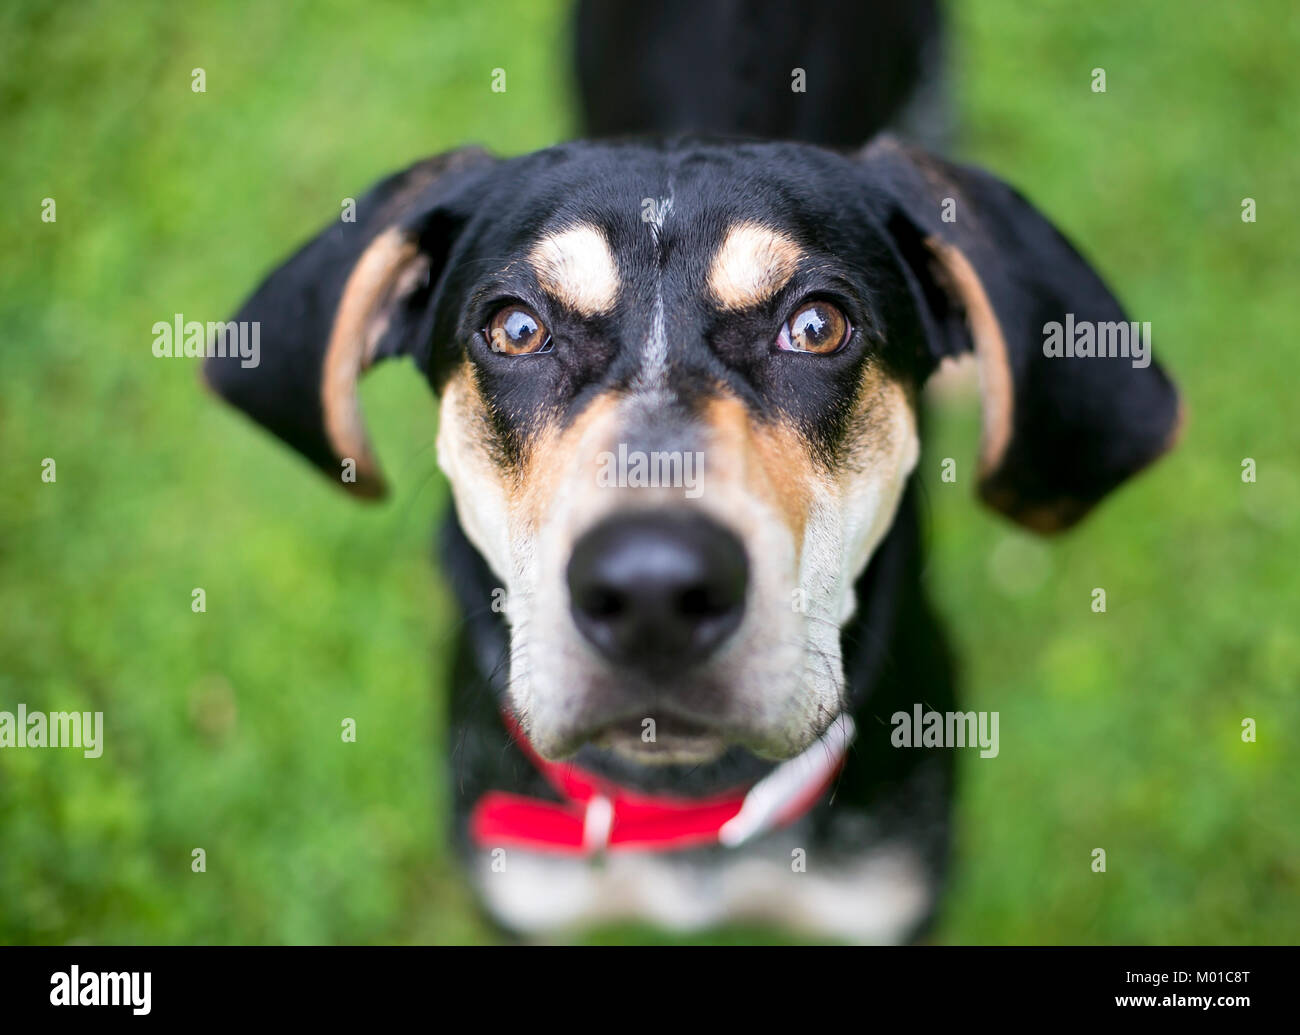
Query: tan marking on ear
pixel 1176 432
pixel 390 265
pixel 753 263
pixel 576 267
pixel 998 401
pixel 1043 518
pixel 956 377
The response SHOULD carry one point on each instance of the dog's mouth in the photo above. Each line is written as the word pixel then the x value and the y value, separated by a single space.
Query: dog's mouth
pixel 662 738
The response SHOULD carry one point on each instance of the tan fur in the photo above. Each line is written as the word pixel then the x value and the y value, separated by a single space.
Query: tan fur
pixel 576 267
pixel 884 448
pixel 771 460
pixel 752 264
pixel 959 276
pixel 390 265
pixel 481 489
pixel 547 470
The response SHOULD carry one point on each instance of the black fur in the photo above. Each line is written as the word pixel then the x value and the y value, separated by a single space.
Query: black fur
pixel 728 66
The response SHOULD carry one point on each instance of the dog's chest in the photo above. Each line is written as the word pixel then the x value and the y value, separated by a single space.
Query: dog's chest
pixel 878 897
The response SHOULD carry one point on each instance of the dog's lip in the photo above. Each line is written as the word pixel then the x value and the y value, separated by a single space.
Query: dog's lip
pixel 677 743
pixel 677 733
pixel 671 731
pixel 665 725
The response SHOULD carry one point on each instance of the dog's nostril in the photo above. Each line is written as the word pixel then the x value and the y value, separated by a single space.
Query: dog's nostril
pixel 601 602
pixel 704 602
pixel 657 590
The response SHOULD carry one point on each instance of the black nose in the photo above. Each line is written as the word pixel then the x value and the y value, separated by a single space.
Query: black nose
pixel 657 590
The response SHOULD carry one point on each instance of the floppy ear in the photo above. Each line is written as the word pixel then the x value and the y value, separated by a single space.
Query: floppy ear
pixel 356 293
pixel 992 276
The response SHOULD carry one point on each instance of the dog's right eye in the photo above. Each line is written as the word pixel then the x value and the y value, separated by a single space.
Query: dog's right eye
pixel 516 330
pixel 816 327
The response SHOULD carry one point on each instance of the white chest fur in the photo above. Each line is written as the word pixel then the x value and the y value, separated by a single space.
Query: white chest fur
pixel 875 898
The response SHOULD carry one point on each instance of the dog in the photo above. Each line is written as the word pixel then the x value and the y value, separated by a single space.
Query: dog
pixel 679 381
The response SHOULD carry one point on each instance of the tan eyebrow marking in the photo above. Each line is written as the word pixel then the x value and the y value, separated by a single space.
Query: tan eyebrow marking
pixel 753 263
pixel 576 266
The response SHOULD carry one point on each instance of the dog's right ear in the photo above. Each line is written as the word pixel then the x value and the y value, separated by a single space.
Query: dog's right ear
pixel 356 293
pixel 992 276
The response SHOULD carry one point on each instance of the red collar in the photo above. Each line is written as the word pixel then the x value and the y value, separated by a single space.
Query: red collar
pixel 596 815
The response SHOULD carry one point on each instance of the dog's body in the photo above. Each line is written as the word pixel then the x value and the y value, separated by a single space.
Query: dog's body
pixel 625 723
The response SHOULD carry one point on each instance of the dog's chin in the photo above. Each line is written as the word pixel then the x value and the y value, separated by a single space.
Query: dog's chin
pixel 664 733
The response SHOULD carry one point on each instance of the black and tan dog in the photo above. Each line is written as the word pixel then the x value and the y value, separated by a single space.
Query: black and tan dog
pixel 653 724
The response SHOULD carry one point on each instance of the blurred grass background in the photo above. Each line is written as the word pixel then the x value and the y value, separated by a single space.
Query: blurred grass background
pixel 1119 731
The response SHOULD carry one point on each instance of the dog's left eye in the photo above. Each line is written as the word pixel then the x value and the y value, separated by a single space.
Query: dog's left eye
pixel 516 331
pixel 817 327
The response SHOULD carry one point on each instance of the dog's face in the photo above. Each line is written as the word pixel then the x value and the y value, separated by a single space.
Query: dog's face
pixel 678 394
pixel 676 431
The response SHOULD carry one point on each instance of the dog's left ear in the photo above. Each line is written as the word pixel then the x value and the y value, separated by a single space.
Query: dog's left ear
pixel 991 275
pixel 356 293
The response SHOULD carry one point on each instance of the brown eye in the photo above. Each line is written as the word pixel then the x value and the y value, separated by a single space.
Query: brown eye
pixel 516 331
pixel 817 327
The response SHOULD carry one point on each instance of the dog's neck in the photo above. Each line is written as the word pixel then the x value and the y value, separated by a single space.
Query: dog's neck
pixel 864 642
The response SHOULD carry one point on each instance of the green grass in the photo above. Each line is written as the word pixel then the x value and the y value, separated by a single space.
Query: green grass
pixel 1118 731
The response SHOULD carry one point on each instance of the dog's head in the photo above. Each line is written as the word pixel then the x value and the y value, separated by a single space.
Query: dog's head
pixel 678 390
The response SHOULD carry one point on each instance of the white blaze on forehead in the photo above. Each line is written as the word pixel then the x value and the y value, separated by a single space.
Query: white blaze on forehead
pixel 753 263
pixel 576 266
pixel 654 359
